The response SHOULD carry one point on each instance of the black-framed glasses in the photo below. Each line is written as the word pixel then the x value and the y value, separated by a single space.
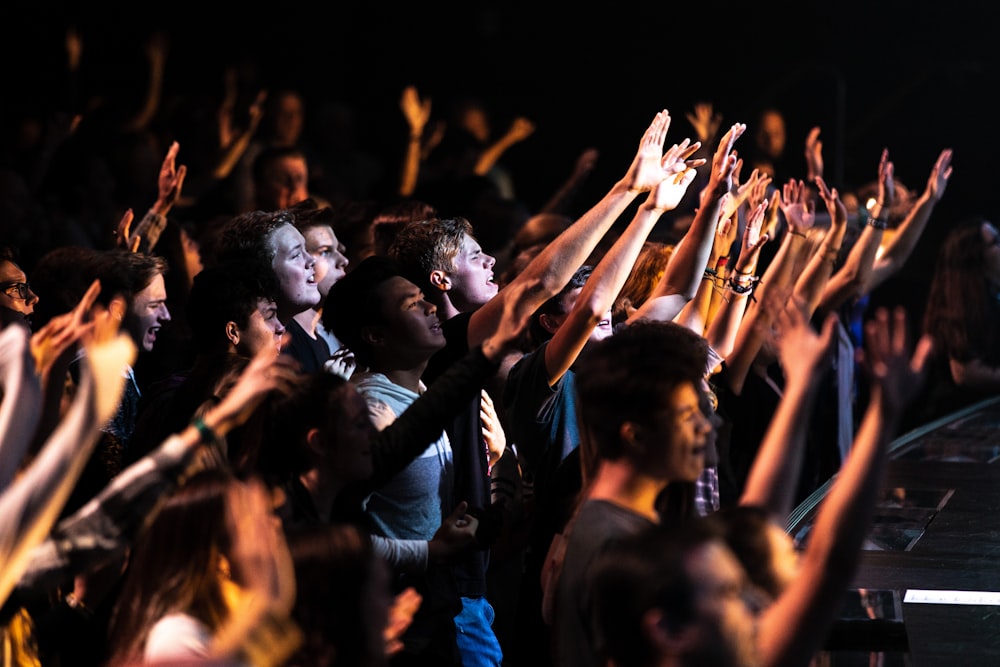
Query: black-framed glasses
pixel 16 290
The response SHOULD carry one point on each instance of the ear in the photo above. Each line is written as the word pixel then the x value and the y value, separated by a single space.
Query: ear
pixel 665 640
pixel 440 280
pixel 548 322
pixel 316 442
pixel 631 437
pixel 117 309
pixel 233 332
pixel 372 335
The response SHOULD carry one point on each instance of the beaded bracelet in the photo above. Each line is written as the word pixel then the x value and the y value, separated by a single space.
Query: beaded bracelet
pixel 878 223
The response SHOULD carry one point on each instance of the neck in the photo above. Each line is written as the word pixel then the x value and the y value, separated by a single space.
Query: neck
pixel 322 489
pixel 307 320
pixel 619 482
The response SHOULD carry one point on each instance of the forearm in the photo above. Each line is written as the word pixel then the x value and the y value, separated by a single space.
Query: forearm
pixel 411 167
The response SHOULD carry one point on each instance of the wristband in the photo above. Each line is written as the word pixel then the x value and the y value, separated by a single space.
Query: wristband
pixel 207 434
pixel 878 223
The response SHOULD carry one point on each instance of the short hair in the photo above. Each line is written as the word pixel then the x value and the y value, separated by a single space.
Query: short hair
pixel 246 235
pixel 125 273
pixel 394 217
pixel 429 245
pixel 268 156
pixel 60 278
pixel 644 571
pixel 352 303
pixel 309 213
pixel 625 377
pixel 746 533
pixel 226 292
pixel 316 401
pixel 554 305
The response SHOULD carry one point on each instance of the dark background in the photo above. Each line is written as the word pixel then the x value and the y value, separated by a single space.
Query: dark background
pixel 914 77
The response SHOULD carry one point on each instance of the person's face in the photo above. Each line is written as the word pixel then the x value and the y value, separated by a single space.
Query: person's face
pixel 725 625
pixel 991 253
pixel 285 185
pixel 289 117
pixel 147 313
pixel 295 269
pixel 472 282
pixel 353 434
pixel 263 330
pixel 411 322
pixel 682 425
pixel 17 301
pixel 771 134
pixel 603 328
pixel 331 264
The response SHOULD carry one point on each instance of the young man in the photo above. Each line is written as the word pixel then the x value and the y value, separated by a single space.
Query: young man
pixel 640 397
pixel 393 331
pixel 17 301
pixel 271 239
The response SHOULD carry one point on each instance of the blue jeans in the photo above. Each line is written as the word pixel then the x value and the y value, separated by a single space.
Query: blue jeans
pixel 474 630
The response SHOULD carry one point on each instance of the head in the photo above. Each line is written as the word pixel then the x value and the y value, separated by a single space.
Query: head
pixel 383 317
pixel 175 562
pixel 550 315
pixel 139 279
pixel 285 113
pixel 232 308
pixel 316 226
pixel 443 258
pixel 766 552
pixel 17 300
pixel 645 275
pixel 280 177
pixel 394 217
pixel 770 133
pixel 966 278
pixel 321 425
pixel 343 596
pixel 271 239
pixel 673 594
pixel 640 399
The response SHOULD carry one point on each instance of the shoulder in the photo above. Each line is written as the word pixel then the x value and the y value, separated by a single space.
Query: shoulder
pixel 178 636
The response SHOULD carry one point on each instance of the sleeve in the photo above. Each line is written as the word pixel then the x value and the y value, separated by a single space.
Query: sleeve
pixel 402 555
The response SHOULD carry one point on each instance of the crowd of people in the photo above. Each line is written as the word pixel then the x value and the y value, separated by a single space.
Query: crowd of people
pixel 290 418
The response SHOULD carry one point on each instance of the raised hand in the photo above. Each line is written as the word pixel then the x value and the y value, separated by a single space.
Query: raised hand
pixel 646 170
pixel 797 206
pixel 720 179
pixel 753 240
pixel 897 376
pixel 814 155
pixel 123 233
pixel 938 180
pixel 416 111
pixel 834 206
pixel 705 121
pixel 62 333
pixel 404 606
pixel 520 129
pixel 678 173
pixel 493 433
pixel 803 352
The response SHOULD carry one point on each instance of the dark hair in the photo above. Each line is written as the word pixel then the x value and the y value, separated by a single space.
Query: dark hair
pixel 627 376
pixel 641 572
pixel 172 566
pixel 309 213
pixel 554 305
pixel 428 245
pixel 316 401
pixel 746 532
pixel 352 304
pixel 226 292
pixel 268 156
pixel 958 312
pixel 246 236
pixel 335 569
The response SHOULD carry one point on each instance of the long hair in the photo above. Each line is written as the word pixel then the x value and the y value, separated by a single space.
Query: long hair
pixel 173 567
pixel 337 575
pixel 958 314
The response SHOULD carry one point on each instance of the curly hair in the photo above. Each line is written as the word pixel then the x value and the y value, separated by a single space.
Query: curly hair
pixel 428 245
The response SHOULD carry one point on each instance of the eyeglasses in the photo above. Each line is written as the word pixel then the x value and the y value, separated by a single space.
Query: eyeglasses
pixel 16 290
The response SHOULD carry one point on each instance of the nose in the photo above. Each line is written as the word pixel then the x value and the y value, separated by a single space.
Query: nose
pixel 279 329
pixel 32 298
pixel 490 260
pixel 340 259
pixel 430 308
pixel 164 314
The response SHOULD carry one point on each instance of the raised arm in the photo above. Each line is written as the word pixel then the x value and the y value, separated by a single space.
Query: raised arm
pixel 417 112
pixel 520 129
pixel 171 179
pixel 850 280
pixel 552 268
pixel 687 263
pixel 605 282
pixel 810 284
pixel 899 249
pixel 30 506
pixel 795 626
pixel 21 403
pixel 773 478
